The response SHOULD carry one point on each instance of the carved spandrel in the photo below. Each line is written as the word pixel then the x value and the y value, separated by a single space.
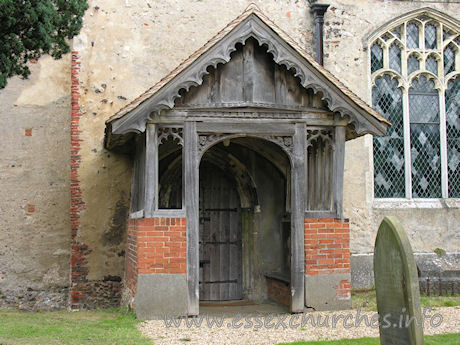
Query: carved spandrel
pixel 174 133
pixel 285 142
pixel 205 141
pixel 326 135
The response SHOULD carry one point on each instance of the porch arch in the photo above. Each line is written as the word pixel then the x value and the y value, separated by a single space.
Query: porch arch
pixel 263 224
pixel 298 179
pixel 246 186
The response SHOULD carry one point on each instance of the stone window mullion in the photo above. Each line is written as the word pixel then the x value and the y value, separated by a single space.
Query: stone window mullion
pixel 386 54
pixel 443 143
pixel 407 145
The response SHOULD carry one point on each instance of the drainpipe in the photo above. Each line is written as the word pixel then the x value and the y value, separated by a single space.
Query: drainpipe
pixel 318 11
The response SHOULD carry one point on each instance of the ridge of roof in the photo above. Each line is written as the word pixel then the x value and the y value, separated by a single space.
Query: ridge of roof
pixel 251 9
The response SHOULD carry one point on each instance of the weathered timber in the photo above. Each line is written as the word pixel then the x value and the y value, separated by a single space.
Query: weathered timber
pixel 191 164
pixel 246 128
pixel 137 181
pixel 339 166
pixel 252 32
pixel 151 170
pixel 297 222
pixel 320 148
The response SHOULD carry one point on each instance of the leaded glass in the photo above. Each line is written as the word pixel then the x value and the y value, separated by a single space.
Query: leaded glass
pixel 389 150
pixel 446 34
pixel 430 37
pixel 425 139
pixel 412 36
pixel 423 18
pixel 395 58
pixel 431 64
pixel 453 137
pixel 386 37
pixel 376 57
pixel 397 32
pixel 412 64
pixel 417 46
pixel 449 60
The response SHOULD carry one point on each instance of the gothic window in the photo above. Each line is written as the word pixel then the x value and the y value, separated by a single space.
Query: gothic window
pixel 415 68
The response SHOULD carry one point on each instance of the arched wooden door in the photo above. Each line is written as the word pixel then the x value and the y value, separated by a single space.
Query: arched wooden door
pixel 220 236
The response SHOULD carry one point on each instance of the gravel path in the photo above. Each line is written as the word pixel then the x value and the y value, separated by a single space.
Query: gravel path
pixel 256 333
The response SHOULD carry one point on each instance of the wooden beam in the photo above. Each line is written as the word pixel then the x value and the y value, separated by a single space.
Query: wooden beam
pixel 151 170
pixel 298 193
pixel 339 166
pixel 246 128
pixel 191 162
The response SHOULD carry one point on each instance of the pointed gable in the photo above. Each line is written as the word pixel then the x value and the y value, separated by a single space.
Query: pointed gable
pixel 251 25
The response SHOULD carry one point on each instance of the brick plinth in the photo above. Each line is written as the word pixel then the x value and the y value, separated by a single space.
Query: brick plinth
pixel 154 245
pixel 278 291
pixel 327 263
pixel 327 246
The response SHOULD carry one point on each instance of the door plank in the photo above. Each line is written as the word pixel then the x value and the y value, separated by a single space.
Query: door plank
pixel 220 240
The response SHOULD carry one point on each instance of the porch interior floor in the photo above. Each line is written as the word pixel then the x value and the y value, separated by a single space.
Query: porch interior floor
pixel 242 308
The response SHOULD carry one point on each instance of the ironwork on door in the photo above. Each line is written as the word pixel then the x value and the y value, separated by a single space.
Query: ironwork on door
pixel 220 236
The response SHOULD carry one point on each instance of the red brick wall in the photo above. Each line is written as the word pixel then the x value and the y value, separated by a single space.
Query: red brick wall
pixel 154 245
pixel 79 251
pixel 131 258
pixel 84 293
pixel 343 290
pixel 278 291
pixel 327 246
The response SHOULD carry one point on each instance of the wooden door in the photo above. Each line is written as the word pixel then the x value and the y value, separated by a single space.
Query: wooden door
pixel 220 236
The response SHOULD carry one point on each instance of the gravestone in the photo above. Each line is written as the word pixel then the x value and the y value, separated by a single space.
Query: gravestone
pixel 396 285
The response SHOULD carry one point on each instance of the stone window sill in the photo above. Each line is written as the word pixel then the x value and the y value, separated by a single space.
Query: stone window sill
pixel 402 203
pixel 171 213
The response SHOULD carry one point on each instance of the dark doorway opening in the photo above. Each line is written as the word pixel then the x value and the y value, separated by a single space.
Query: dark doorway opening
pixel 244 220
pixel 220 238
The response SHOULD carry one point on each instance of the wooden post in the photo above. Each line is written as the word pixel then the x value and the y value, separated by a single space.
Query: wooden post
pixel 298 192
pixel 151 170
pixel 339 166
pixel 192 204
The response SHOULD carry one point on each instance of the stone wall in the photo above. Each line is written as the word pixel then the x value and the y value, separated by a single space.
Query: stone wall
pixel 34 188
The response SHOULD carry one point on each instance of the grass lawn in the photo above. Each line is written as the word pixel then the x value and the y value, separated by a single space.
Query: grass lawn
pixel 366 300
pixel 113 326
pixel 440 339
pixel 118 327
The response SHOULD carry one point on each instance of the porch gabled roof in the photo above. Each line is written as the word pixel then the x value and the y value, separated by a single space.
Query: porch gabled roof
pixel 251 23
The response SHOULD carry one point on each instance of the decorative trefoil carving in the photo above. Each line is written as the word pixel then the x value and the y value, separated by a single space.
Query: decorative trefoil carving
pixel 313 135
pixel 176 133
pixel 205 141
